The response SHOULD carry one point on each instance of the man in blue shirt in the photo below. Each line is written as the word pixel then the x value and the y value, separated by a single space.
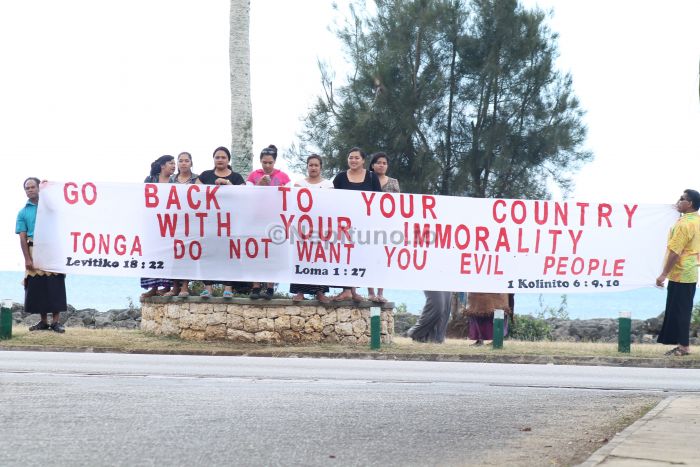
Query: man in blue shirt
pixel 45 292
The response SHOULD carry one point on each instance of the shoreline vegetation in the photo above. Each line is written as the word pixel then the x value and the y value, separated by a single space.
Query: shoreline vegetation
pixel 111 340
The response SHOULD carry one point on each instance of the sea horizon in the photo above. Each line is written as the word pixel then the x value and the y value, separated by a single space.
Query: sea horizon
pixel 107 293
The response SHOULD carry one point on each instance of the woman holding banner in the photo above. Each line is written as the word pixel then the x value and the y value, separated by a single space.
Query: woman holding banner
pixel 161 171
pixel 314 164
pixel 355 178
pixel 267 176
pixel 184 175
pixel 379 164
pixel 221 174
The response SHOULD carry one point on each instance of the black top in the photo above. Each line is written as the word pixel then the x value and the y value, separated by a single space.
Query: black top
pixel 208 177
pixel 370 183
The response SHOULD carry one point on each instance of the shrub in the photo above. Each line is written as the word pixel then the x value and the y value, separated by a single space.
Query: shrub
pixel 529 328
pixel 403 320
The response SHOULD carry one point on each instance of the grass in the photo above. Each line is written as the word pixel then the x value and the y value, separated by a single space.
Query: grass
pixel 135 341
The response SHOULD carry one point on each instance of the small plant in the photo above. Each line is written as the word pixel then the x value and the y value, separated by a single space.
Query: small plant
pixel 695 320
pixel 131 306
pixel 548 311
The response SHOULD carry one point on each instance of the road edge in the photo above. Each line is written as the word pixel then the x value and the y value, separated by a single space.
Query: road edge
pixel 599 456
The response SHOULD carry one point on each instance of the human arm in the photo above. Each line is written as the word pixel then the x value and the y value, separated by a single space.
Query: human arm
pixel 24 244
pixel 671 260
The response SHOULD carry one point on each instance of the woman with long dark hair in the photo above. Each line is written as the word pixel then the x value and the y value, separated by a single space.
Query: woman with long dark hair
pixel 379 164
pixel 161 171
pixel 268 175
pixel 314 164
pixel 355 178
pixel 221 174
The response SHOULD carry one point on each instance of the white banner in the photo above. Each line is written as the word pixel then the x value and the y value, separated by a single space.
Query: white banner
pixel 349 238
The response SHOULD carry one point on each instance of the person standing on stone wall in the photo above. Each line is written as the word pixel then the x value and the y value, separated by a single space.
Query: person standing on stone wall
pixel 681 270
pixel 44 292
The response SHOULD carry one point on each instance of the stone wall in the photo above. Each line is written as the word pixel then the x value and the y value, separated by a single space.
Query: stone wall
pixel 264 321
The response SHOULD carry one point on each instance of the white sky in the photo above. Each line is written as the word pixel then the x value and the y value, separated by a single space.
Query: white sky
pixel 91 92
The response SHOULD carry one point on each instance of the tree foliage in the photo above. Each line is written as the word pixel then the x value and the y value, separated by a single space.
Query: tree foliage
pixel 463 95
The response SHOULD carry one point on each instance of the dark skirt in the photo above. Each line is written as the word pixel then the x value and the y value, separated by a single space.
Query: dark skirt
pixel 482 328
pixel 308 288
pixel 433 320
pixel 679 307
pixel 236 286
pixel 45 294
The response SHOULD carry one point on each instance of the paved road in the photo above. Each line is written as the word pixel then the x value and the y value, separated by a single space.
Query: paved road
pixel 114 409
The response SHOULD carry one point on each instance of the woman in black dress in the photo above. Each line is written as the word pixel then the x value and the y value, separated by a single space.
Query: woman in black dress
pixel 361 179
pixel 222 174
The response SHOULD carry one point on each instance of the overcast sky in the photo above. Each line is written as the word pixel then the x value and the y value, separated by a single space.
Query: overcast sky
pixel 90 91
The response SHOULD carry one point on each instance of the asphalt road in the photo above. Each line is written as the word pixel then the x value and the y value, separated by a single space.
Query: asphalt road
pixel 116 409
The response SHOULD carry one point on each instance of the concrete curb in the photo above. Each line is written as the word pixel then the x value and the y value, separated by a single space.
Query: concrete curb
pixel 602 454
pixel 369 355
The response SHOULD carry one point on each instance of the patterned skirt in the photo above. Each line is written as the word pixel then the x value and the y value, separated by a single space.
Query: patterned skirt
pixel 147 283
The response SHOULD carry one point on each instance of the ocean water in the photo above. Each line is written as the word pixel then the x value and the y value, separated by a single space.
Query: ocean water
pixel 105 293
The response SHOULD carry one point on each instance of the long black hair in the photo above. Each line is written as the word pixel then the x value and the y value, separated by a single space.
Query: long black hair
pixel 157 164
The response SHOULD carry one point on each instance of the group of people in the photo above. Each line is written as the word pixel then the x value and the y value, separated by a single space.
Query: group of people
pixel 356 177
pixel 45 291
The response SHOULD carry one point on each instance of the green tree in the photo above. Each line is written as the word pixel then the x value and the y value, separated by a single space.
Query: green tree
pixel 463 96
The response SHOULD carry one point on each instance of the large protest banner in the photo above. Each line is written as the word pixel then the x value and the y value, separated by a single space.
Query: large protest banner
pixel 349 238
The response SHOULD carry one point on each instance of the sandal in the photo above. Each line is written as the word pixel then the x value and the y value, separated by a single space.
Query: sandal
pixel 40 326
pixel 678 352
pixel 671 352
pixel 227 294
pixel 170 293
pixel 381 299
pixel 357 298
pixel 205 294
pixel 183 294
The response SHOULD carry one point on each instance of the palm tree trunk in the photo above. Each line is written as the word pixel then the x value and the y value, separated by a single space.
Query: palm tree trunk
pixel 241 107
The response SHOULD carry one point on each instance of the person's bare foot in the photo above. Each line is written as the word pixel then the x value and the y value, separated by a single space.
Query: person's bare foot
pixel 321 297
pixel 344 295
pixel 151 293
